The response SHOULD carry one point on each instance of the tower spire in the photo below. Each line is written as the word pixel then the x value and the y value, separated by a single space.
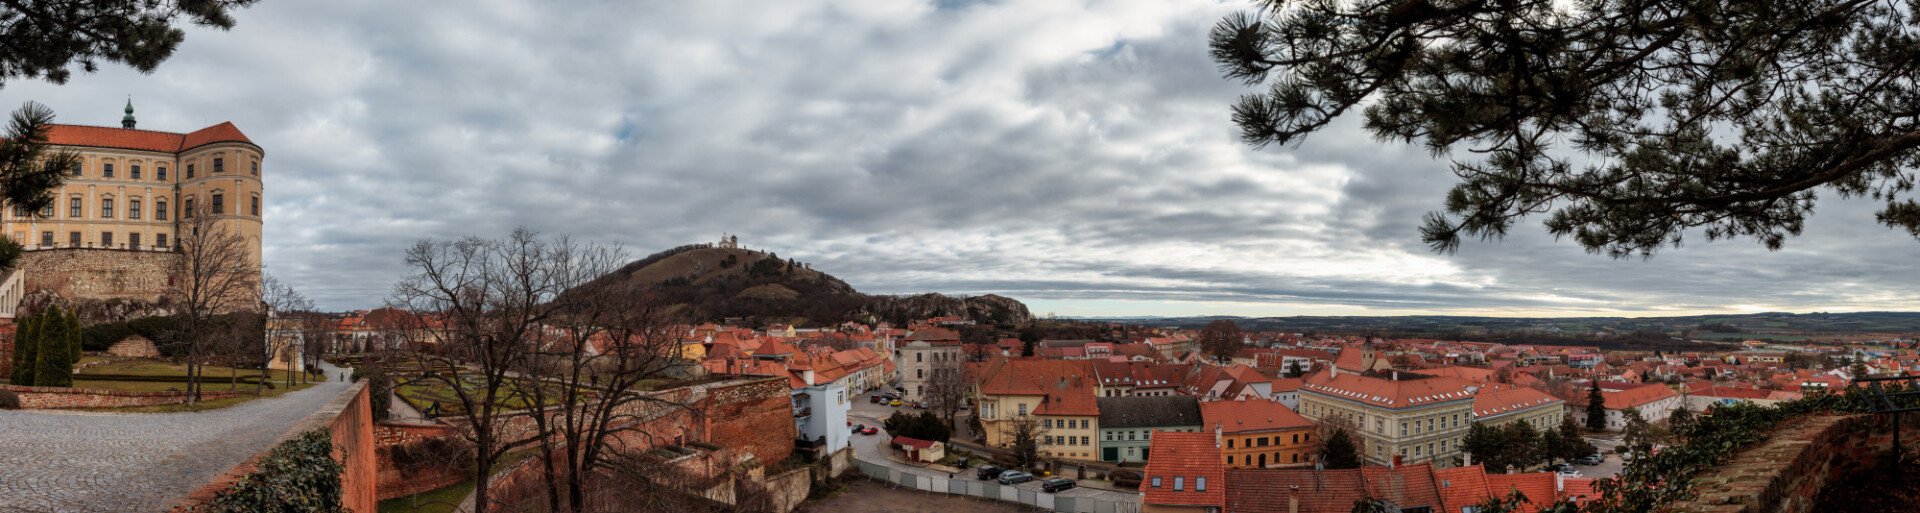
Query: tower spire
pixel 127 122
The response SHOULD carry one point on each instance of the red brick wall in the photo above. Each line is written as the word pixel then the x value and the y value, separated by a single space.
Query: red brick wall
pixel 1788 470
pixel 393 482
pixel 58 397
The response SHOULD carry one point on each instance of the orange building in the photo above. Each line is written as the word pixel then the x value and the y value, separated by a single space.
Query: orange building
pixel 135 188
pixel 1259 433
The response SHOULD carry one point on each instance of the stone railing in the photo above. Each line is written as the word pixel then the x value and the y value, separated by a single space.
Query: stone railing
pixel 1787 471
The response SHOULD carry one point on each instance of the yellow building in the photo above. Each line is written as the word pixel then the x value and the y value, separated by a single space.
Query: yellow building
pixel 1409 417
pixel 1499 405
pixel 1058 396
pixel 136 188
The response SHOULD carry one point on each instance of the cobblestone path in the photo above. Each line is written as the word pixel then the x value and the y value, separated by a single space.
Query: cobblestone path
pixel 53 461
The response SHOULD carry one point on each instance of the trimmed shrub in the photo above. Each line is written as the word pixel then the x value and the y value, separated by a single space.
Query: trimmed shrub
pixel 53 367
pixel 73 340
pixel 9 400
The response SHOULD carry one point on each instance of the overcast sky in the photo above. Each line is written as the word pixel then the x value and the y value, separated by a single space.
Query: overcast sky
pixel 1076 155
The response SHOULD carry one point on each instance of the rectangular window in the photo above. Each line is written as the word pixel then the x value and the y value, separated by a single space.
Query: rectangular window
pixel 46 238
pixel 1048 423
pixel 1179 483
pixel 160 173
pixel 19 211
pixel 1229 443
pixel 256 168
pixel 1048 440
pixel 1156 482
pixel 76 170
pixel 1023 410
pixel 133 209
pixel 133 241
pixel 160 240
pixel 133 171
pixel 73 208
pixel 160 210
pixel 1429 424
pixel 48 211
pixel 73 238
pixel 186 211
pixel 1085 441
pixel 106 239
pixel 219 165
pixel 1200 484
pixel 219 203
pixel 189 171
pixel 106 170
pixel 1416 450
pixel 106 208
pixel 256 206
pixel 1403 425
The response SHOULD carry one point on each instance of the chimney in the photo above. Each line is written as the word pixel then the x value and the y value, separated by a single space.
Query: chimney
pixel 1466 459
pixel 1395 462
pixel 1559 482
pixel 1509 468
pixel 1335 369
pixel 1293 498
pixel 1396 375
pixel 1217 435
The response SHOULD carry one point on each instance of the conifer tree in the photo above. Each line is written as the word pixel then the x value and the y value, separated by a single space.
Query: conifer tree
pixel 1596 408
pixel 73 336
pixel 25 345
pixel 52 368
pixel 1340 452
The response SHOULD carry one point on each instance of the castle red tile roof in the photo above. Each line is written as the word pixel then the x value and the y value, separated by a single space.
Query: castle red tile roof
pixel 1193 459
pixel 1249 416
pixel 148 140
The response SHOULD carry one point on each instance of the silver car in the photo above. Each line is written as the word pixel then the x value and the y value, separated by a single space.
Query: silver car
pixel 1014 476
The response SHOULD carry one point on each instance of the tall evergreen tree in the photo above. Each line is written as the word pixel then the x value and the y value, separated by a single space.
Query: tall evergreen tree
pixel 1487 445
pixel 52 369
pixel 73 337
pixel 25 344
pixel 1576 446
pixel 1340 452
pixel 1551 447
pixel 1596 408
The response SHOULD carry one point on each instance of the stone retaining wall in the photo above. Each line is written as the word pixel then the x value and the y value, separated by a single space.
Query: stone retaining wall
pixel 60 397
pixel 1787 471
pixel 394 482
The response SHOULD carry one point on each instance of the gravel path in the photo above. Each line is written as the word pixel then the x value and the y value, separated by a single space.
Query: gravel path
pixel 137 462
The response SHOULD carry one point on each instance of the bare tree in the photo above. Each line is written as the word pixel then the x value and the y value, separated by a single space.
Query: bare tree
pixel 318 334
pixel 1023 435
pixel 530 357
pixel 603 347
pixel 283 338
pixel 947 388
pixel 215 274
pixel 1221 339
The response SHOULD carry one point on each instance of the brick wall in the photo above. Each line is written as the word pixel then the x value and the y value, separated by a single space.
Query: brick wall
pixel 1784 473
pixel 60 397
pixel 394 481
pixel 349 419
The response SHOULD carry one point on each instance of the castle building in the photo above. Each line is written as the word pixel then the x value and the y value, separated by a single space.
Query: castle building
pixel 132 195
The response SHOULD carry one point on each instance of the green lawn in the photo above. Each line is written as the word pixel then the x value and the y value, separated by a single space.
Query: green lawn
pixel 213 379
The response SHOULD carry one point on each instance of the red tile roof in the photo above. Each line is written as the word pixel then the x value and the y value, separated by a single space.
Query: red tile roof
pixel 1270 490
pixel 1492 402
pixel 1537 486
pixel 1388 393
pixel 1190 458
pixel 1460 487
pixel 1250 416
pixel 1408 485
pixel 148 140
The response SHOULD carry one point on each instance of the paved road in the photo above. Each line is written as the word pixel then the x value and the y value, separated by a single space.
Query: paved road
pixel 137 462
pixel 873 448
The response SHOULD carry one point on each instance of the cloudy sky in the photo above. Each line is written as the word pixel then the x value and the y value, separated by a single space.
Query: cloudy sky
pixel 1076 155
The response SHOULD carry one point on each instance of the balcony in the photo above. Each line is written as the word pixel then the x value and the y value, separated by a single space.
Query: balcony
pixel 803 413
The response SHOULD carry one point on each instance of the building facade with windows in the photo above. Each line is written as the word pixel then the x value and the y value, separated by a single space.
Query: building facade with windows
pixel 114 230
pixel 924 354
pixel 1127 423
pixel 1404 416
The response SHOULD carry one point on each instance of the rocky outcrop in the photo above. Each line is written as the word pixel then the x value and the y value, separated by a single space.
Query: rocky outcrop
pixel 987 309
pixel 96 311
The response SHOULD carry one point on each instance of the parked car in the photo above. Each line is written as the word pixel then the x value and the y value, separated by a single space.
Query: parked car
pixel 1591 459
pixel 858 427
pixel 895 402
pixel 920 405
pixel 869 430
pixel 1055 484
pixel 874 399
pixel 1569 473
pixel 1014 476
pixel 1559 467
pixel 986 472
